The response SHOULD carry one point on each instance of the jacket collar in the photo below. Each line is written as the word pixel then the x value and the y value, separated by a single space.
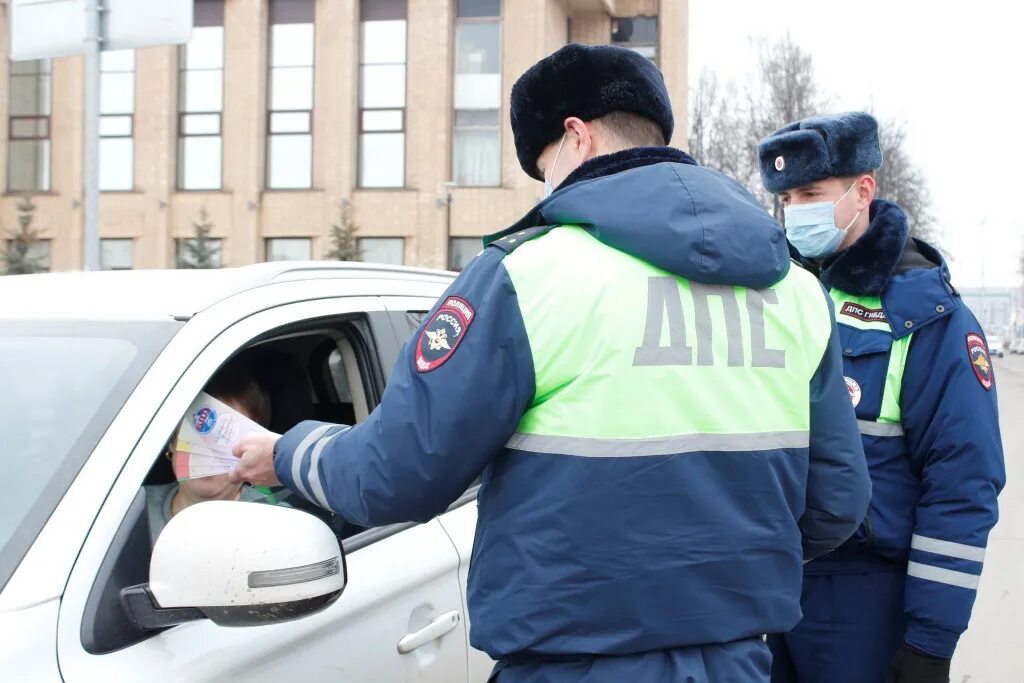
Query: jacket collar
pixel 616 162
pixel 919 296
pixel 908 274
pixel 866 266
pixel 598 167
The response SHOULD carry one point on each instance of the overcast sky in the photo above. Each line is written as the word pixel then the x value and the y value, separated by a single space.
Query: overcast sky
pixel 952 70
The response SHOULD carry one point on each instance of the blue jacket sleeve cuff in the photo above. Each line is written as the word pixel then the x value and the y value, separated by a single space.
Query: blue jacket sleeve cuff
pixel 290 451
pixel 931 640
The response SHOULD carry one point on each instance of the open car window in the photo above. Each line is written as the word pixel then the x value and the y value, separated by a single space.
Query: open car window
pixel 324 370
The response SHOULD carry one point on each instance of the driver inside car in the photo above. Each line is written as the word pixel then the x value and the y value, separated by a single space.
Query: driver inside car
pixel 234 386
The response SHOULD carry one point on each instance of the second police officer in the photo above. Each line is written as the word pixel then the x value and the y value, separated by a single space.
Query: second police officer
pixel 892 602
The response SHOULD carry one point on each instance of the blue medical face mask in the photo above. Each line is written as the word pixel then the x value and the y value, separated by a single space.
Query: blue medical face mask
pixel 811 228
pixel 548 188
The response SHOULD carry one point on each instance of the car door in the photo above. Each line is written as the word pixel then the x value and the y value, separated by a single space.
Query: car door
pixel 407 314
pixel 403 580
pixel 460 525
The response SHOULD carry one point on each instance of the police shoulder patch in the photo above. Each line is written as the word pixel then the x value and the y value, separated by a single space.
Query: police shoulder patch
pixel 981 362
pixel 443 334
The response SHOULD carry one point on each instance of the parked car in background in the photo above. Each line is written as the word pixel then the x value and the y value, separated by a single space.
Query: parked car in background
pixel 1017 346
pixel 995 346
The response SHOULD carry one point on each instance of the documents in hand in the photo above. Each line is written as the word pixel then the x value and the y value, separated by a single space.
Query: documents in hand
pixel 206 437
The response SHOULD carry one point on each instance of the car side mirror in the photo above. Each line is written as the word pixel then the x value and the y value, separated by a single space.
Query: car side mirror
pixel 238 564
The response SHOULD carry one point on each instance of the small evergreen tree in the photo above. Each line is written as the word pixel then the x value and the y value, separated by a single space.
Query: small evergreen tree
pixel 20 257
pixel 201 250
pixel 344 245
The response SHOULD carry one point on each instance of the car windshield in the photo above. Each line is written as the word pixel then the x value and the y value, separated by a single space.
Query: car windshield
pixel 61 385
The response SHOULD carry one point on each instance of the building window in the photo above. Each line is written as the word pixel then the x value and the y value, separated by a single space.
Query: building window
pixel 117 113
pixel 462 250
pixel 639 34
pixel 201 100
pixel 193 253
pixel 476 139
pixel 25 259
pixel 290 110
pixel 389 250
pixel 382 72
pixel 116 254
pixel 289 249
pixel 478 8
pixel 28 130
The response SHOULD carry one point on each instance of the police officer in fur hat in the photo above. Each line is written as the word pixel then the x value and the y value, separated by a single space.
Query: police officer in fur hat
pixel 648 489
pixel 892 602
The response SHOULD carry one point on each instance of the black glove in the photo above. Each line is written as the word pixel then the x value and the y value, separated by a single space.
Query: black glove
pixel 911 666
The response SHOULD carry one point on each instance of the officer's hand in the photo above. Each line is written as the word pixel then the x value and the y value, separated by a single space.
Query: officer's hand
pixel 256 453
pixel 911 666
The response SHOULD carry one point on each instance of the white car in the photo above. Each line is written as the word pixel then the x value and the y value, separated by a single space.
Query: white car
pixel 96 370
pixel 995 346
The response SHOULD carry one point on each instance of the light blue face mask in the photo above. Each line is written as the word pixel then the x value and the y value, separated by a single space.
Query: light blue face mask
pixel 811 228
pixel 548 188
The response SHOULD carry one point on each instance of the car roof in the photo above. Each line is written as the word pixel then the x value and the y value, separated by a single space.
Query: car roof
pixel 159 294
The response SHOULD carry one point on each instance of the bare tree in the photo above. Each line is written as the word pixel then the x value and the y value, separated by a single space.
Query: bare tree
pixel 344 245
pixel 22 257
pixel 902 182
pixel 704 121
pixel 728 123
pixel 719 137
pixel 786 86
pixel 784 90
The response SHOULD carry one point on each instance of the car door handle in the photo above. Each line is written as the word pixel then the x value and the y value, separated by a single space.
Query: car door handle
pixel 434 630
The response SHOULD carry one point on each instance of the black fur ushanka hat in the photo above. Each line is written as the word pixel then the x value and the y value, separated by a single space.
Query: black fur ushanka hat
pixel 587 82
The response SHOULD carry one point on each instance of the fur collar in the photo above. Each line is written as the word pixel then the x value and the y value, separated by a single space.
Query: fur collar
pixel 866 266
pixel 598 167
pixel 616 162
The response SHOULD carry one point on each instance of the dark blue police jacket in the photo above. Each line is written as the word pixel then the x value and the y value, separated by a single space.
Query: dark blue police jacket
pixel 935 478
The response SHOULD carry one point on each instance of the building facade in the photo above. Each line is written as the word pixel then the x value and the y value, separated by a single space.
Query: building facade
pixel 282 118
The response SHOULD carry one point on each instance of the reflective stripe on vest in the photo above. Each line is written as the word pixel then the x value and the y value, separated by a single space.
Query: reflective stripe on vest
pixel 862 313
pixel 631 361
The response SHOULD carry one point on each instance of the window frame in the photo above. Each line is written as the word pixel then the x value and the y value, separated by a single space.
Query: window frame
pixel 182 136
pixel 11 135
pixel 360 109
pixel 399 239
pixel 268 240
pixel 499 19
pixel 456 4
pixel 131 252
pixel 310 133
pixel 632 45
pixel 45 71
pixel 360 319
pixel 456 129
pixel 121 115
pixel 451 251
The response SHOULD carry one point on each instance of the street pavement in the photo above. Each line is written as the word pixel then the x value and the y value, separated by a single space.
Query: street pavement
pixel 992 650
